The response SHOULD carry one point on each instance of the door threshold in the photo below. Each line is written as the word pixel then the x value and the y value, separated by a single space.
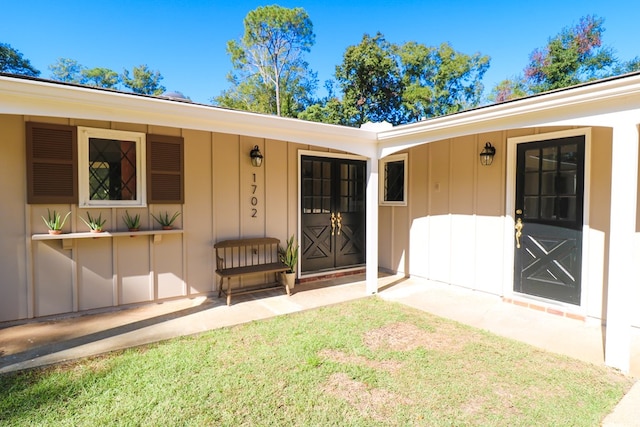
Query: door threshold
pixel 326 275
pixel 548 306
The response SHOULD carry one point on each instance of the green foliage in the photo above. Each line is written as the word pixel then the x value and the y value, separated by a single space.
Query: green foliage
pixel 289 254
pixel 508 89
pixel 94 223
pixel 67 70
pixel 272 74
pixel 132 222
pixel 439 80
pixel 143 80
pixel 12 61
pixel 100 77
pixel 401 83
pixel 573 56
pixel 165 220
pixel 371 82
pixel 54 220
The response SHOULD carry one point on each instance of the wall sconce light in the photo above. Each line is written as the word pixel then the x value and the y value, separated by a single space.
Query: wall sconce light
pixel 486 156
pixel 256 157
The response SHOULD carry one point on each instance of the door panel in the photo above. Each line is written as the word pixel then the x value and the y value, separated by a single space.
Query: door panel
pixel 333 213
pixel 549 209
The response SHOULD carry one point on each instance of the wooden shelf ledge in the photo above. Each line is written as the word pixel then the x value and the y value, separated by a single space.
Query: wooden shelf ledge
pixel 89 235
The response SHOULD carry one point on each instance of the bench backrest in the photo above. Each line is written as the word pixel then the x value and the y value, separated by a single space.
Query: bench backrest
pixel 246 252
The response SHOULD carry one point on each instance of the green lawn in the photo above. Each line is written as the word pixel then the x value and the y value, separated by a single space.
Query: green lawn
pixel 363 363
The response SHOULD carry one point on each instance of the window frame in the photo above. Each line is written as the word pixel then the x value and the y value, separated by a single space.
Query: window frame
pixel 139 138
pixel 383 173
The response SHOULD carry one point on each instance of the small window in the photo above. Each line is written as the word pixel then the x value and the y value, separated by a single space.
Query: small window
pixel 111 167
pixel 393 186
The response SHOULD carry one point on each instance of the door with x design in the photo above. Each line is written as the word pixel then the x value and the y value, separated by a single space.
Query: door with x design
pixel 333 213
pixel 549 218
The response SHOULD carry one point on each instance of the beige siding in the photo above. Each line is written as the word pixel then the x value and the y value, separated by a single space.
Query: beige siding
pixel 453 228
pixel 41 278
pixel 198 211
pixel 14 292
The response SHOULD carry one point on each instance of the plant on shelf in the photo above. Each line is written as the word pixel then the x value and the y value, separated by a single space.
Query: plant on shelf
pixel 132 222
pixel 54 221
pixel 165 220
pixel 289 257
pixel 94 223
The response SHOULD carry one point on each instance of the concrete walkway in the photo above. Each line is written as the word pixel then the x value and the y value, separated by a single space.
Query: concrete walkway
pixel 35 343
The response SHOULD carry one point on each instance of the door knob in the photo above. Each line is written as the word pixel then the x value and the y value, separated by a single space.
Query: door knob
pixel 333 223
pixel 519 227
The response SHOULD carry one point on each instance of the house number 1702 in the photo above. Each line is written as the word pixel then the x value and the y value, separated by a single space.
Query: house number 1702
pixel 254 199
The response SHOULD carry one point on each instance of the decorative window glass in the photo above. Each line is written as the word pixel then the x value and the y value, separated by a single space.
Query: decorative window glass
pixel 393 185
pixel 111 167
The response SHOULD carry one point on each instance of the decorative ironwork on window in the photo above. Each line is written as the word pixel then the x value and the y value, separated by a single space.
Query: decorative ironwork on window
pixel 111 166
pixel 393 185
pixel 112 169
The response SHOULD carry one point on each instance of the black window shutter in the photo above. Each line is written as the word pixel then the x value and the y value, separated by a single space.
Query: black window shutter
pixel 52 163
pixel 165 169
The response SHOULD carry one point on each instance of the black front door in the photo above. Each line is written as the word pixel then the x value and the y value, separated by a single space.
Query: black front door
pixel 333 213
pixel 549 215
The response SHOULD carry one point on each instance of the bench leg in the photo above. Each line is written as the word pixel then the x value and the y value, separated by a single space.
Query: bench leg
pixel 228 290
pixel 220 286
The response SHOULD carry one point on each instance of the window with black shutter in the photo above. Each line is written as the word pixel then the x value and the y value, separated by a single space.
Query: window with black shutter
pixel 102 167
pixel 165 169
pixel 52 155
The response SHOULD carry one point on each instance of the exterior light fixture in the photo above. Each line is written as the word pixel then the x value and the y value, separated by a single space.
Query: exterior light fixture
pixel 486 156
pixel 256 157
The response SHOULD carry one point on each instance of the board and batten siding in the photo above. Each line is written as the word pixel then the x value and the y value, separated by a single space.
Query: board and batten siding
pixel 41 278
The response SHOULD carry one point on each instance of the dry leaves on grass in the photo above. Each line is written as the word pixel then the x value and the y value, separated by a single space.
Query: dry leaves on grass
pixel 401 336
pixel 375 403
pixel 341 357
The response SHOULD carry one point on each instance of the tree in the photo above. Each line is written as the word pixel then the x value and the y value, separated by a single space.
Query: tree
pixel 371 83
pixel 100 77
pixel 12 61
pixel 67 70
pixel 439 81
pixel 508 89
pixel 143 81
pixel 269 60
pixel 573 56
pixel 400 84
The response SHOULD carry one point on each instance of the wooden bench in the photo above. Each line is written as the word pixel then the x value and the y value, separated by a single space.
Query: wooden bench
pixel 243 257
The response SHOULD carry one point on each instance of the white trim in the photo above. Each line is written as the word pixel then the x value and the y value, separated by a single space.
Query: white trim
pixel 299 204
pixel 509 221
pixel 139 138
pixel 382 170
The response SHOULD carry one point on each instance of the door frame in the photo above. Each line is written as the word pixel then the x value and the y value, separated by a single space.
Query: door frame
pixel 509 221
pixel 330 155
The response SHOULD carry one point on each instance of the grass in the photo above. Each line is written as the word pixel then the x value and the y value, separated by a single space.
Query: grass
pixel 363 363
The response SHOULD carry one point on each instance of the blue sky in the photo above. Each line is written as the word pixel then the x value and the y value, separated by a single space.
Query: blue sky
pixel 186 40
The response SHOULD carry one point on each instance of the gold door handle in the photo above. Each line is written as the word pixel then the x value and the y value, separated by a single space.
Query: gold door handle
pixel 519 227
pixel 333 223
pixel 339 219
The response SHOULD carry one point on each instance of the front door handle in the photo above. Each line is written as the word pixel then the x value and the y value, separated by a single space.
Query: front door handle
pixel 519 227
pixel 339 219
pixel 333 223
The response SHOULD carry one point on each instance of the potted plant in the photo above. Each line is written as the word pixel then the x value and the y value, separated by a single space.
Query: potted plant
pixel 165 220
pixel 54 221
pixel 289 257
pixel 132 222
pixel 94 223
